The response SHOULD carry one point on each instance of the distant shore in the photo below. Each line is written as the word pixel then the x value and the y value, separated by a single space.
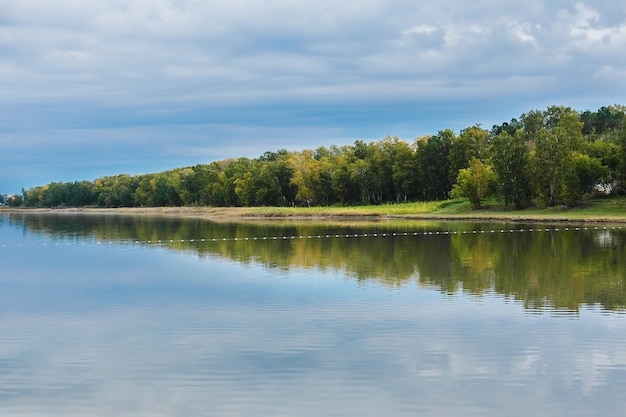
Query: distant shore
pixel 234 214
pixel 209 213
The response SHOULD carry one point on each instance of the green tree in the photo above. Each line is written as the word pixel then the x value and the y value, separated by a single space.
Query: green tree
pixel 345 185
pixel 471 143
pixel 609 155
pixel 80 194
pixel 590 172
pixel 475 182
pixel 143 195
pixel 116 191
pixel 328 165
pixel 583 173
pixel 510 160
pixel 33 197
pixel 621 167
pixel 15 201
pixel 189 187
pixel 306 175
pixel 404 171
pixel 246 188
pixel 227 179
pixel 54 194
pixel 275 175
pixel 218 189
pixel 532 122
pixel 507 127
pixel 553 148
pixel 434 162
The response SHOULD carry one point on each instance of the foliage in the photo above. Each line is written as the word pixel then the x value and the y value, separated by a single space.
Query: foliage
pixel 475 182
pixel 510 160
pixel 555 156
pixel 434 163
pixel 15 201
pixel 556 140
pixel 583 174
pixel 471 143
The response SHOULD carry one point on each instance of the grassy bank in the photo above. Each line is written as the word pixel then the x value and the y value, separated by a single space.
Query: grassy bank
pixel 604 209
pixel 598 210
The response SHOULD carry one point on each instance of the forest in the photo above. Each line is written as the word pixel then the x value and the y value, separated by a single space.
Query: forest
pixel 543 158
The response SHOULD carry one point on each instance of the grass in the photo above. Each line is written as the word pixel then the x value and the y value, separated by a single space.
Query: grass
pixel 365 211
pixel 590 209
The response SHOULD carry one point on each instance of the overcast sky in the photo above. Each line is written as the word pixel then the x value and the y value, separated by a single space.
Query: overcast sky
pixel 104 87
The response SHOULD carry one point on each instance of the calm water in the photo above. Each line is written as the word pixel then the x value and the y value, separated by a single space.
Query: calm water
pixel 118 316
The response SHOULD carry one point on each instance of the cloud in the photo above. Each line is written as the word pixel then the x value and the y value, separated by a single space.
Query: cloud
pixel 73 64
pixel 128 53
pixel 587 31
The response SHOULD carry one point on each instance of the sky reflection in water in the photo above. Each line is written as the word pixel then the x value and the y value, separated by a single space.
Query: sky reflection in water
pixel 90 329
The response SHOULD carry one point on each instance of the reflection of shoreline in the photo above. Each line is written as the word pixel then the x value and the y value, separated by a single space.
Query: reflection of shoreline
pixel 246 214
pixel 545 267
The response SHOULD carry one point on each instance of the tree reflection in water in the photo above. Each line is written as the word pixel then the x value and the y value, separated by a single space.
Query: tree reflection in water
pixel 557 268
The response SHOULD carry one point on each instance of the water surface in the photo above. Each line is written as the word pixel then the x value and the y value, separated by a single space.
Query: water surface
pixel 141 316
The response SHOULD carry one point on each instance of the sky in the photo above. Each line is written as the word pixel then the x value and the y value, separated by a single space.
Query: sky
pixel 106 87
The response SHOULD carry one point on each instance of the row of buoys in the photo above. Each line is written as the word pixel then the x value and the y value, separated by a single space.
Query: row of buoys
pixel 325 236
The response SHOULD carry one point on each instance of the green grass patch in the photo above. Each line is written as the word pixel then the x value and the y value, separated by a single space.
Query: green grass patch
pixel 412 208
pixel 588 209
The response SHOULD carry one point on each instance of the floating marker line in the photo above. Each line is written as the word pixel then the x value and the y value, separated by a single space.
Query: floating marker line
pixel 320 236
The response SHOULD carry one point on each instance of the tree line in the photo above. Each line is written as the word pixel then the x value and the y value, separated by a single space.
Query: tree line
pixel 544 157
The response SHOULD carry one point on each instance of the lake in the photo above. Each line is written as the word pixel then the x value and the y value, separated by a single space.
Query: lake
pixel 145 316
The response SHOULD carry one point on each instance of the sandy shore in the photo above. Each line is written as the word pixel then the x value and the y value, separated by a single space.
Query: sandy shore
pixel 209 213
pixel 215 214
pixel 233 214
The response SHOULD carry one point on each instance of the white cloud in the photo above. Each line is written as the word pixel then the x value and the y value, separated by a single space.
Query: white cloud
pixel 420 29
pixel 587 31
pixel 147 50
pixel 67 62
pixel 523 31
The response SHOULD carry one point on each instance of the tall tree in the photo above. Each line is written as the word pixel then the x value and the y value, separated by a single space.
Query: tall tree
pixel 510 160
pixel 532 123
pixel 553 148
pixel 234 171
pixel 471 143
pixel 621 143
pixel 275 174
pixel 345 183
pixel 306 175
pixel 433 156
pixel 404 171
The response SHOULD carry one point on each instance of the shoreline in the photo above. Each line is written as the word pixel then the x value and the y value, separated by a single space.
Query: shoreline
pixel 247 214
